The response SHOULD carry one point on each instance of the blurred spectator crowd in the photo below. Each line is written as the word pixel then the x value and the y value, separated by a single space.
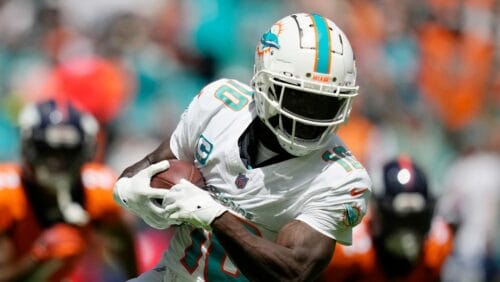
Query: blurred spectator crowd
pixel 429 76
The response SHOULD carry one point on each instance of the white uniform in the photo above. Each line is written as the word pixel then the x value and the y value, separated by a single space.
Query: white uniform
pixel 327 189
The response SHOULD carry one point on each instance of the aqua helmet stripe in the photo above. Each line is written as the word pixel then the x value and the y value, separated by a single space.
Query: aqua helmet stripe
pixel 323 56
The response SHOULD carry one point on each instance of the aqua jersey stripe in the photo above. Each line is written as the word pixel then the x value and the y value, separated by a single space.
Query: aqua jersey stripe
pixel 323 44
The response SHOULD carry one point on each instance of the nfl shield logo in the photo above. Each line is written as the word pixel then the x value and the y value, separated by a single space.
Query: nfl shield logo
pixel 241 181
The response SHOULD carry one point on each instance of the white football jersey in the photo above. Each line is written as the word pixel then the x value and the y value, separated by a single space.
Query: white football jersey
pixel 327 189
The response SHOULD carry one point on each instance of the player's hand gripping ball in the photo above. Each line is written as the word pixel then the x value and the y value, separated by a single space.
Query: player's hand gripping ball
pixel 144 193
pixel 179 169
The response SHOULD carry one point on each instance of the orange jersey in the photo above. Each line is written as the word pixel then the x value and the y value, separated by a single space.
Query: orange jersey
pixel 359 262
pixel 19 217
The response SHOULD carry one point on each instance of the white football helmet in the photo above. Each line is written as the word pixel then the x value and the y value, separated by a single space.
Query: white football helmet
pixel 304 80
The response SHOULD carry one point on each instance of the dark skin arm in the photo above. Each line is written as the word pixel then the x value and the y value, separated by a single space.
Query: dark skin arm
pixel 299 253
pixel 163 152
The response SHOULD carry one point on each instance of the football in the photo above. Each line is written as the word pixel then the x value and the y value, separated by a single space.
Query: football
pixel 178 169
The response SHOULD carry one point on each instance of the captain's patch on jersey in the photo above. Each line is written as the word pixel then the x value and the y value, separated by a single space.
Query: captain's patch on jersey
pixel 203 150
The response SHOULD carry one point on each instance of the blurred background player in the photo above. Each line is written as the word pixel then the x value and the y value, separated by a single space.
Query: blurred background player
pixel 471 205
pixel 57 208
pixel 399 240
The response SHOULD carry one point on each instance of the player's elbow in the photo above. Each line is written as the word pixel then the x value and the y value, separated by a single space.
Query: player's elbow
pixel 310 271
pixel 304 268
pixel 308 265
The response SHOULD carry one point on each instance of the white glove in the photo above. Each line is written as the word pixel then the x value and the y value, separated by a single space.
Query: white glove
pixel 136 194
pixel 191 205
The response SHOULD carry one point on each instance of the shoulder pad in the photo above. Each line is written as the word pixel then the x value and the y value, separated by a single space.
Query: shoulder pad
pixel 97 176
pixel 13 202
pixel 10 176
pixel 98 182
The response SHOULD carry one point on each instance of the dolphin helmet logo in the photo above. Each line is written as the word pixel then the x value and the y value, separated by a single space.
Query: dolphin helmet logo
pixel 269 39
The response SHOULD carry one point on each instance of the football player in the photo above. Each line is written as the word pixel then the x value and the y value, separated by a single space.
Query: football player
pixel 55 203
pixel 282 188
pixel 399 239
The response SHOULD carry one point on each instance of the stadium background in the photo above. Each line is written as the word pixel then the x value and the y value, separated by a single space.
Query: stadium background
pixel 428 71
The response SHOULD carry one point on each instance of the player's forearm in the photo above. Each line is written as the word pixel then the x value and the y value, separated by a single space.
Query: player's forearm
pixel 260 259
pixel 162 152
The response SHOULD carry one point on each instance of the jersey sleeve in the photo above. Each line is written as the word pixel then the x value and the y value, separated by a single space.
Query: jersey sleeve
pixel 12 199
pixel 98 181
pixel 337 207
pixel 184 139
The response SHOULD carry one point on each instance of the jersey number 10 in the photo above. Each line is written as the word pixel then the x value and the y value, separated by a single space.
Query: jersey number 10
pixel 215 256
pixel 233 95
pixel 343 157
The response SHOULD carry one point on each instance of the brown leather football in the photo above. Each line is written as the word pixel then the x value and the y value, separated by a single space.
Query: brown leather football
pixel 178 169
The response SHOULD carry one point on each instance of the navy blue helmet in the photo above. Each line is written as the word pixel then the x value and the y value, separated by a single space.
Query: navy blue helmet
pixel 57 139
pixel 405 196
pixel 403 210
pixel 402 176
